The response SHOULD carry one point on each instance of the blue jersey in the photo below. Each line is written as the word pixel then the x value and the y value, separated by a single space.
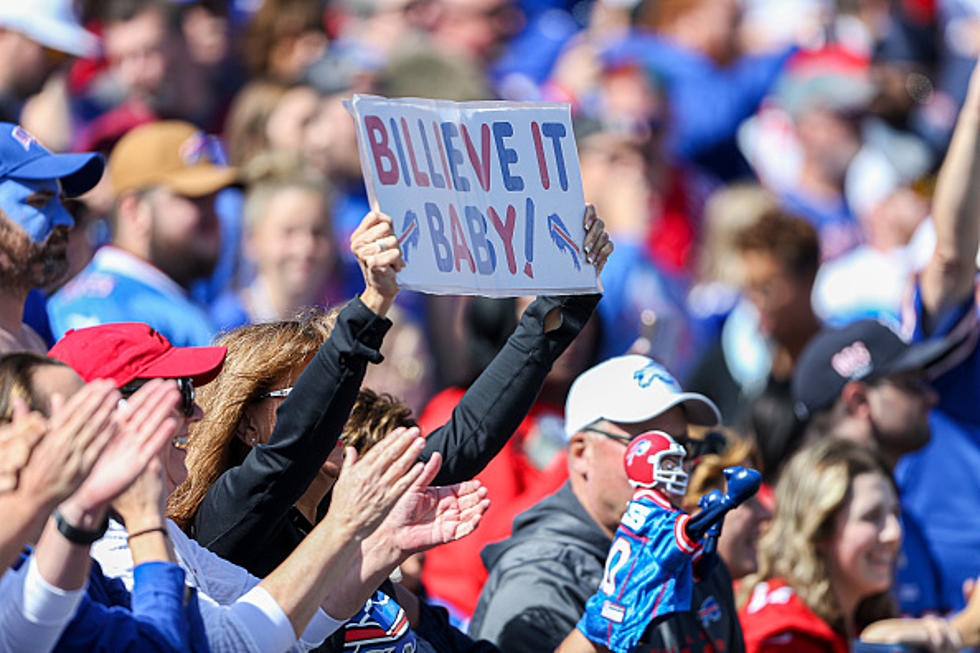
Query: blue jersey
pixel 118 287
pixel 648 573
pixel 939 484
pixel 381 625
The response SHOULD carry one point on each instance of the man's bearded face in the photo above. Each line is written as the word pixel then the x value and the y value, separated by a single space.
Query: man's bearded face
pixel 25 264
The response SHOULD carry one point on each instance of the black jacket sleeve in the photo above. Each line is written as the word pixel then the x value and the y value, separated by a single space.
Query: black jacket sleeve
pixel 497 402
pixel 244 512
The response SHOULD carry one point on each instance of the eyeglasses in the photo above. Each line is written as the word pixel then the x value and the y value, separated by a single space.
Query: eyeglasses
pixel 714 442
pixel 184 383
pixel 282 392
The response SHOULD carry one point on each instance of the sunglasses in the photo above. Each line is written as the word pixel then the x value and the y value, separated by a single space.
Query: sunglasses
pixel 714 442
pixel 283 392
pixel 184 383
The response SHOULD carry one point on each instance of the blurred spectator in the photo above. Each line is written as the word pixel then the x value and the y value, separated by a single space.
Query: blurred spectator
pixel 872 279
pixel 718 269
pixel 625 174
pixel 779 257
pixel 288 240
pixel 35 38
pixel 165 236
pixel 283 38
pixel 150 67
pixel 861 382
pixel 246 126
pixel 826 95
pixel 475 29
pixel 711 87
pixel 825 567
pixel 939 485
pixel 33 224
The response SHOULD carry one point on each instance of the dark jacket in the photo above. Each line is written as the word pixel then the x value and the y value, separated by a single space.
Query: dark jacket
pixel 542 576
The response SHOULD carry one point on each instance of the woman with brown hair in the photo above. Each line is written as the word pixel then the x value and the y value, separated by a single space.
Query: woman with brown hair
pixel 827 562
pixel 275 412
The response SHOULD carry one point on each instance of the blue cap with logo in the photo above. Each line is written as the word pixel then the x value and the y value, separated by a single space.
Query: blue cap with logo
pixel 23 158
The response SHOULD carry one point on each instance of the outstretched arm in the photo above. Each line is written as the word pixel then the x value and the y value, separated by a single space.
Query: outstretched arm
pixel 948 278
pixel 742 484
pixel 500 398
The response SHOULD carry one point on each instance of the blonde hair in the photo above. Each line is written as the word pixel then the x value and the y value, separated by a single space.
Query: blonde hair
pixel 269 173
pixel 813 488
pixel 728 211
pixel 259 357
pixel 248 117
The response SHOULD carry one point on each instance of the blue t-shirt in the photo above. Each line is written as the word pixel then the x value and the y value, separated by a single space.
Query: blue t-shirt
pixel 940 484
pixel 648 573
pixel 118 287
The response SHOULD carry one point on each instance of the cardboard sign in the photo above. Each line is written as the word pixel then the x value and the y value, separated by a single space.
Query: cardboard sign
pixel 486 197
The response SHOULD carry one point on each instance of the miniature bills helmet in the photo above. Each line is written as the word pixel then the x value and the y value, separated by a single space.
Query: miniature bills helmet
pixel 644 462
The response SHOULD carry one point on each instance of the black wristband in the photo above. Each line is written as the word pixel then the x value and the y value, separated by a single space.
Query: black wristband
pixel 78 535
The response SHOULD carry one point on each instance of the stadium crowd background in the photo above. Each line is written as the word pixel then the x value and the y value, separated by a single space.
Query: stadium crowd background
pixel 765 168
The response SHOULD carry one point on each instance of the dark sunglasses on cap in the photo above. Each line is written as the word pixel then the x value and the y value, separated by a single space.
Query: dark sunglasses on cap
pixel 184 383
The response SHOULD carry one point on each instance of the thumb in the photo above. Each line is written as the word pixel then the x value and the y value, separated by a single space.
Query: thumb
pixel 350 459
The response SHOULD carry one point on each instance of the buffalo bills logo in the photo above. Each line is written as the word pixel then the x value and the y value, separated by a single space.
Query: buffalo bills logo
pixel 563 239
pixel 410 234
pixel 853 361
pixel 638 449
pixel 22 136
pixel 200 147
pixel 709 611
pixel 654 372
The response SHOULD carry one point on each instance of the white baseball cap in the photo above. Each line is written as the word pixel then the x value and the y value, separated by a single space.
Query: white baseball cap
pixel 631 389
pixel 51 23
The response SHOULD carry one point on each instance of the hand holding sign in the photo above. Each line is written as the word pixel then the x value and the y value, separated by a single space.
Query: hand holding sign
pixel 486 197
pixel 380 257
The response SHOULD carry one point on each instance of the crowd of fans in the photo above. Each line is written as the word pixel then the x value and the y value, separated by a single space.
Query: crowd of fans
pixel 222 426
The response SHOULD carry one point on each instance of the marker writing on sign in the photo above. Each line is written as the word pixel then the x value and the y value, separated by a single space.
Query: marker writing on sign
pixel 471 248
pixel 397 148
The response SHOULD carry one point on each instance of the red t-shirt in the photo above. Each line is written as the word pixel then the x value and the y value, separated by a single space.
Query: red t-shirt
pixel 775 620
pixel 454 573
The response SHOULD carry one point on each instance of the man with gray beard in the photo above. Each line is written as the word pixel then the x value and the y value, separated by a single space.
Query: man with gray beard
pixel 34 225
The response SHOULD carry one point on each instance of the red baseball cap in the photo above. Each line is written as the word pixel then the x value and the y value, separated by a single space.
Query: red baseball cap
pixel 123 351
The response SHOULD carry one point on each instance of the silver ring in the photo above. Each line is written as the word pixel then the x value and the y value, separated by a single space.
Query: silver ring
pixel 380 243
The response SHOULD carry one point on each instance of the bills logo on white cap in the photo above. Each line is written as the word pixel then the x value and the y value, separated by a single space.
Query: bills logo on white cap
pixel 23 137
pixel 853 361
pixel 654 372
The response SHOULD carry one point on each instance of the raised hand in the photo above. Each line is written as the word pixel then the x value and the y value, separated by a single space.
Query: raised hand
pixel 742 484
pixel 376 247
pixel 78 431
pixel 144 504
pixel 597 246
pixel 17 441
pixel 145 424
pixel 705 502
pixel 366 490
pixel 428 516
